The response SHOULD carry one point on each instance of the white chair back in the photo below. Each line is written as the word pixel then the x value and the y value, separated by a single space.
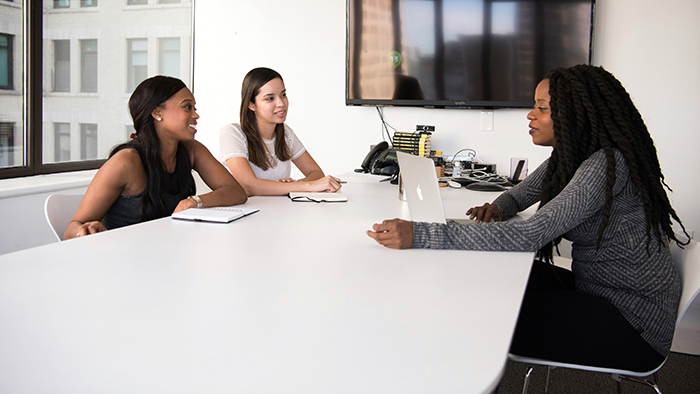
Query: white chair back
pixel 59 209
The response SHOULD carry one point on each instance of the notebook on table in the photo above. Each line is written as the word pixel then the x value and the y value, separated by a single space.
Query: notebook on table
pixel 422 191
pixel 214 214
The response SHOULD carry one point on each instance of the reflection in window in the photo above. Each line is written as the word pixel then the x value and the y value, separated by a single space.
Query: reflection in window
pixel 169 57
pixel 61 141
pixel 88 65
pixel 61 62
pixel 88 141
pixel 5 61
pixel 137 62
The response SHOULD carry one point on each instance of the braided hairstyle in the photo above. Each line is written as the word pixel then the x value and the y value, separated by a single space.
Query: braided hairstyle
pixel 150 94
pixel 590 111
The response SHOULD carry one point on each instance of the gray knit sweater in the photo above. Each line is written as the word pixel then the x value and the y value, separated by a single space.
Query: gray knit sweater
pixel 645 287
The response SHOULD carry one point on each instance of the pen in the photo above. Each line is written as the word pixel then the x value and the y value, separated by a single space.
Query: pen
pixel 342 182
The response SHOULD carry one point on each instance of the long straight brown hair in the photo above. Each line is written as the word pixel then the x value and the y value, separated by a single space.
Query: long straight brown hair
pixel 257 152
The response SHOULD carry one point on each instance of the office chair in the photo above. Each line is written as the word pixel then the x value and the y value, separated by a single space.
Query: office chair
pixel 687 262
pixel 58 210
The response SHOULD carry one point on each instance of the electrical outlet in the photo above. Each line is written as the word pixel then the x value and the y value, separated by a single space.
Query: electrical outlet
pixel 486 120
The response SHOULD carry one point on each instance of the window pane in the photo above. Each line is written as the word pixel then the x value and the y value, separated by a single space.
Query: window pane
pixel 61 53
pixel 61 3
pixel 93 61
pixel 136 2
pixel 88 141
pixel 12 146
pixel 88 67
pixel 61 141
pixel 5 61
pixel 169 57
pixel 88 3
pixel 138 62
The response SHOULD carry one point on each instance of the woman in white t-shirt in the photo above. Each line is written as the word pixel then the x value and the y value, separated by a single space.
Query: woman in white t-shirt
pixel 260 150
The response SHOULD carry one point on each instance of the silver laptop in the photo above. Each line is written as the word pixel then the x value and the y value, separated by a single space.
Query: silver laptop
pixel 422 191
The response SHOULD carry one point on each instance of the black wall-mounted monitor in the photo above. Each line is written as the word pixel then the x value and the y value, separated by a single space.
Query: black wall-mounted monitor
pixel 461 53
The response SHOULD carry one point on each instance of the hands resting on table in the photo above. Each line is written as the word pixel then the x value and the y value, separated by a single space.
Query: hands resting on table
pixel 398 233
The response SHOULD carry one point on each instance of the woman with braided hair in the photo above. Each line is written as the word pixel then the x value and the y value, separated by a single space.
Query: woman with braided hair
pixel 601 188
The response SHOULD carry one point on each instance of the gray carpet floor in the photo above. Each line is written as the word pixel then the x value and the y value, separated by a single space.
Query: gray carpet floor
pixel 680 375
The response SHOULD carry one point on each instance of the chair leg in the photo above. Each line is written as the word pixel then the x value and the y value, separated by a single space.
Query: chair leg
pixel 646 382
pixel 527 380
pixel 546 385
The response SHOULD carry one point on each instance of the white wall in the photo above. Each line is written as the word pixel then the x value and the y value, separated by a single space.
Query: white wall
pixel 652 47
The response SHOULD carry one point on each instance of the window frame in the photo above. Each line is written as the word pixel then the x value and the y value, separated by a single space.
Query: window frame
pixel 32 99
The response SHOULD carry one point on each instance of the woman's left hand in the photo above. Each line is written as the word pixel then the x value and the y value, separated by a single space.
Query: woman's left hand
pixel 394 233
pixel 187 203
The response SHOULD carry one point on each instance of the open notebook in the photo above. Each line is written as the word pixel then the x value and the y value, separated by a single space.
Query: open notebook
pixel 215 214
pixel 422 190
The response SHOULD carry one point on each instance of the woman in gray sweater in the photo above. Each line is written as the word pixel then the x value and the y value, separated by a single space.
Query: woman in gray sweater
pixel 601 188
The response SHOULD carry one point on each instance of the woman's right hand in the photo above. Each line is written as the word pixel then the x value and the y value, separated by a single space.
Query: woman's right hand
pixel 485 213
pixel 89 228
pixel 328 183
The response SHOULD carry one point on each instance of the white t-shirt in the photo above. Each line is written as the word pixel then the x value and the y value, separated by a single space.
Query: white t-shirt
pixel 233 143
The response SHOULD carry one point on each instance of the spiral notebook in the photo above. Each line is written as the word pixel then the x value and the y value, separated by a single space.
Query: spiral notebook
pixel 215 214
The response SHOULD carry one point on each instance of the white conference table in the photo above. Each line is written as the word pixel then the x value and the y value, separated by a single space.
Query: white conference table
pixel 293 299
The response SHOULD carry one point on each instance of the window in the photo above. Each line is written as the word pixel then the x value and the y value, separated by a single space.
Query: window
pixel 169 57
pixel 88 141
pixel 61 65
pixel 83 67
pixel 88 65
pixel 6 61
pixel 7 145
pixel 137 62
pixel 61 142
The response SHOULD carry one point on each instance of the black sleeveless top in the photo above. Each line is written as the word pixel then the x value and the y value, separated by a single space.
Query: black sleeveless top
pixel 127 209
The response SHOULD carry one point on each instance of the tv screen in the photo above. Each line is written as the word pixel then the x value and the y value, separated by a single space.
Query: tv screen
pixel 460 53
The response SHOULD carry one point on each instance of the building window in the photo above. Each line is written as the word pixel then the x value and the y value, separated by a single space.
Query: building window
pixel 169 57
pixel 7 144
pixel 6 62
pixel 61 3
pixel 61 65
pixel 88 65
pixel 88 141
pixel 75 56
pixel 137 62
pixel 61 141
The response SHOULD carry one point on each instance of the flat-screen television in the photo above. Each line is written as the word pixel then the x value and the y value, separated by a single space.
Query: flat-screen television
pixel 461 53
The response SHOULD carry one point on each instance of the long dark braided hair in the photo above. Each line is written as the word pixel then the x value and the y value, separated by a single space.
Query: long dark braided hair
pixel 590 111
pixel 150 94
